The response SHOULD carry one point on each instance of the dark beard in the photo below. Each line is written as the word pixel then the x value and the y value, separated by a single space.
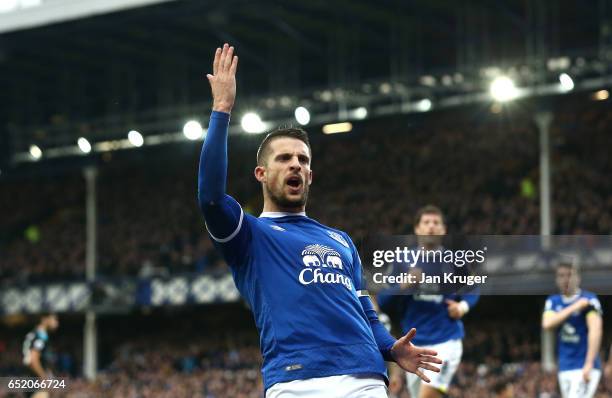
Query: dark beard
pixel 282 202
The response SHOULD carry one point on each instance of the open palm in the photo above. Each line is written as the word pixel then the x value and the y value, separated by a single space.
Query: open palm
pixel 412 358
pixel 223 80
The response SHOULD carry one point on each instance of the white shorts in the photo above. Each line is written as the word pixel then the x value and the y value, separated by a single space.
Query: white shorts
pixel 346 386
pixel 450 352
pixel 572 385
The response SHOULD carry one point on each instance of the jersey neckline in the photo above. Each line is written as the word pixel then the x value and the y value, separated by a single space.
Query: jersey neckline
pixel 278 214
pixel 567 299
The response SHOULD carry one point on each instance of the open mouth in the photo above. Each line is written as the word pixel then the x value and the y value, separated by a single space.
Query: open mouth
pixel 294 182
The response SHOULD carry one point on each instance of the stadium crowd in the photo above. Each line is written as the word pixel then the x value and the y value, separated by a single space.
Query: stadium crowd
pixel 181 363
pixel 171 371
pixel 481 168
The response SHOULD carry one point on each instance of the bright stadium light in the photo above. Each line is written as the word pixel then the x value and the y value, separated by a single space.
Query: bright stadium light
pixel 8 5
pixel 135 138
pixel 30 3
pixel 302 115
pixel 424 105
pixel 567 84
pixel 192 130
pixel 502 89
pixel 335 128
pixel 361 112
pixel 35 152
pixel 385 88
pixel 12 5
pixel 84 145
pixel 601 95
pixel 251 123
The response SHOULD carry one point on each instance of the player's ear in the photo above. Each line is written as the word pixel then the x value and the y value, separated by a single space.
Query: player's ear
pixel 310 177
pixel 260 173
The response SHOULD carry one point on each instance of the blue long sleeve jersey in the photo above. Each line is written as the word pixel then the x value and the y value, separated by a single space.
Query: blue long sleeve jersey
pixel 426 309
pixel 573 334
pixel 302 281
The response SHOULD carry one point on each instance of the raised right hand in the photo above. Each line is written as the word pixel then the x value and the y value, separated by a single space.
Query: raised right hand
pixel 223 80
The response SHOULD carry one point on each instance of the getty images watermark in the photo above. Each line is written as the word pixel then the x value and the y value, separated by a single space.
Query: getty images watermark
pixel 484 264
pixel 428 266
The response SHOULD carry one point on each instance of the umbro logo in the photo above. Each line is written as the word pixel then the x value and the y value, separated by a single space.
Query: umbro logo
pixel 277 228
pixel 338 238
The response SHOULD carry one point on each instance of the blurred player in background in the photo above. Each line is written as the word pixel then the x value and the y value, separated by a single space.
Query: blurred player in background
pixel 319 333
pixel 34 346
pixel 576 315
pixel 436 316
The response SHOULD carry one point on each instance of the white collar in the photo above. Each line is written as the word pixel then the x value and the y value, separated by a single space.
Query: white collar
pixel 277 214
pixel 567 299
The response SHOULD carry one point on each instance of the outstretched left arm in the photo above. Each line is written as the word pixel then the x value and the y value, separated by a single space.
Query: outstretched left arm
pixel 402 351
pixel 408 356
pixel 384 340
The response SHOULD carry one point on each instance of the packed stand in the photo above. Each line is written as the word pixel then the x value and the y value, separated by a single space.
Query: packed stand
pixel 180 362
pixel 480 168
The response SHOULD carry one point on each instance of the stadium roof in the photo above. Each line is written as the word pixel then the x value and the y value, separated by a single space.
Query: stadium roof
pixel 56 81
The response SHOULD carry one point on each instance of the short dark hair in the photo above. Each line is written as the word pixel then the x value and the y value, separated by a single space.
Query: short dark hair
pixel 428 209
pixel 291 132
pixel 566 263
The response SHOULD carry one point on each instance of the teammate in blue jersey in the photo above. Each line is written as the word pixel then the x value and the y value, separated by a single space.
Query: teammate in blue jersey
pixel 434 310
pixel 576 316
pixel 319 333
